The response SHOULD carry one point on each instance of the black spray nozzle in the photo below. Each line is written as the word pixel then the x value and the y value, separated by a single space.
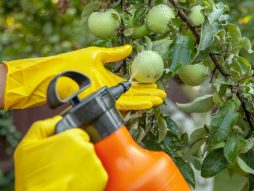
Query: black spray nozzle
pixel 120 89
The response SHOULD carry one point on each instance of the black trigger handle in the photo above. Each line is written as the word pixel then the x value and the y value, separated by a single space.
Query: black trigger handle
pixel 53 98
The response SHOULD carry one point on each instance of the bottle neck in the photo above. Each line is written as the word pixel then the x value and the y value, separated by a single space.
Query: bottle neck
pixel 105 125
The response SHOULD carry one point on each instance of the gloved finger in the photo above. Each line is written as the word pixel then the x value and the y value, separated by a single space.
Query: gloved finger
pixel 66 87
pixel 137 102
pixel 75 134
pixel 114 54
pixel 42 129
pixel 146 92
pixel 126 105
pixel 140 85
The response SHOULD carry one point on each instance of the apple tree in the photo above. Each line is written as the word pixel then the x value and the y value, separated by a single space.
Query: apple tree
pixel 199 46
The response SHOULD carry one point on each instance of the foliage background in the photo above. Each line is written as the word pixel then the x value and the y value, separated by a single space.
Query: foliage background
pixel 31 28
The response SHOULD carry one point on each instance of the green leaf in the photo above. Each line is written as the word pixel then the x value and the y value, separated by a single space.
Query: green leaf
pixel 140 14
pixel 246 44
pixel 101 43
pixel 133 128
pixel 196 162
pixel 217 100
pixel 222 122
pixel 199 105
pixel 238 42
pixel 181 52
pixel 240 68
pixel 232 147
pixel 163 129
pixel 128 31
pixel 208 34
pixel 234 32
pixel 208 4
pixel 194 148
pixel 186 170
pixel 150 143
pixel 116 16
pixel 197 135
pixel 245 167
pixel 173 129
pixel 197 139
pixel 162 46
pixel 222 35
pixel 213 163
pixel 90 8
pixel 149 43
pixel 248 146
pixel 249 158
pixel 138 46
pixel 251 182
pixel 217 12
pixel 141 134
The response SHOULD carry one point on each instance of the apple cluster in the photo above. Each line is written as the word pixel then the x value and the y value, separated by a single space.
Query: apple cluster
pixel 147 66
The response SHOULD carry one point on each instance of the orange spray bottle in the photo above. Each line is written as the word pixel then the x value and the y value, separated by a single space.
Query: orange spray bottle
pixel 129 166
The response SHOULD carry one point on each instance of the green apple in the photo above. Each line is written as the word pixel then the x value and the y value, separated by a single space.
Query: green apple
pixel 193 75
pixel 147 67
pixel 104 25
pixel 158 18
pixel 196 15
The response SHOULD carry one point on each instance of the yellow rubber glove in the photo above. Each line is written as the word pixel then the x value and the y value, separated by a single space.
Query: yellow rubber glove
pixel 63 162
pixel 27 79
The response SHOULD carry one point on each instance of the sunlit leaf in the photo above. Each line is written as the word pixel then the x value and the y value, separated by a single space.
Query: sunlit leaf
pixel 208 34
pixel 234 32
pixel 244 166
pixel 199 105
pixel 217 12
pixel 128 31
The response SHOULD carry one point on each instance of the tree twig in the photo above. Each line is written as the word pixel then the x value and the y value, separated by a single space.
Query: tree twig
pixel 186 19
pixel 218 66
pixel 150 3
pixel 237 89
pixel 124 64
pixel 63 5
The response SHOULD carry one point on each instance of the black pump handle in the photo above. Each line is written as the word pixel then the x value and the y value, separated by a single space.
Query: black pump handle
pixel 53 98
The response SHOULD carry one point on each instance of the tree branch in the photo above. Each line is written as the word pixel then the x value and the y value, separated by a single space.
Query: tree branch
pixel 150 3
pixel 124 64
pixel 122 27
pixel 236 89
pixel 186 19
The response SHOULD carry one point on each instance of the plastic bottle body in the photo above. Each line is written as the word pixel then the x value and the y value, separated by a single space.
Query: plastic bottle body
pixel 132 168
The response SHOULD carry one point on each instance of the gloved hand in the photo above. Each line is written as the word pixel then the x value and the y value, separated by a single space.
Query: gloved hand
pixel 27 79
pixel 63 162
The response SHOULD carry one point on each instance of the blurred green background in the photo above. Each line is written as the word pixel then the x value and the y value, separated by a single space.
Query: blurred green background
pixel 31 28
